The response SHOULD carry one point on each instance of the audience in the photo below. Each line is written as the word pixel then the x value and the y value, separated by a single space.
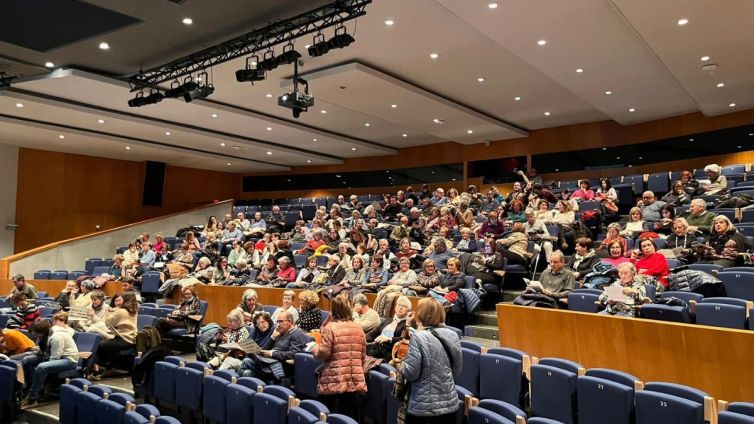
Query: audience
pixel 649 262
pixel 21 286
pixel 363 315
pixel 284 343
pixel 633 289
pixel 309 317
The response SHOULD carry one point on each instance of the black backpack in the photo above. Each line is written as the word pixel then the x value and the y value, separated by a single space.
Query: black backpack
pixel 142 375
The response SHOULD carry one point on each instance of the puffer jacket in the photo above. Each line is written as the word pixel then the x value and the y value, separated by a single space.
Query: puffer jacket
pixel 433 390
pixel 342 352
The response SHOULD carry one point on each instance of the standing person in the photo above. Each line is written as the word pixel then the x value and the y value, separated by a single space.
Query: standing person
pixel 433 360
pixel 63 356
pixel 342 353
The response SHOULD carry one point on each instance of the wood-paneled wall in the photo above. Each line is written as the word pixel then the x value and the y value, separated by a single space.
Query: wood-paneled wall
pixel 715 360
pixel 61 196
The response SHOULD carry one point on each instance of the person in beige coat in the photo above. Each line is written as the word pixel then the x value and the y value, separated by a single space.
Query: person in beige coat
pixel 342 352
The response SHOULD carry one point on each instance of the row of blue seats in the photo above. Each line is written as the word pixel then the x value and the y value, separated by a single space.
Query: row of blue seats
pixel 563 391
pixel 223 397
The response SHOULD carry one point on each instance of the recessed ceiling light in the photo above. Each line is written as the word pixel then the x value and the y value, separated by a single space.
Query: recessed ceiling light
pixel 632 110
pixel 720 85
pixel 353 148
pixel 740 147
pixel 434 55
pixel 49 65
pixel 608 92
pixel 367 124
pixel 306 46
pixel 557 170
pixel 228 163
pixel 61 136
pixel 705 58
pixel 322 111
pixel 438 121
pixel 480 79
pixel 541 42
pixel 214 115
pixel 732 105
pixel 188 21
pixel 579 70
pixel 617 157
pixel 314 139
pixel 682 21
pixel 337 175
pixel 517 98
pixel 469 131
pixel 128 147
pixel 19 105
pixel 167 132
pixel 308 161
pixel 691 139
pixel 547 113
pixel 104 46
pixel 492 5
pixel 751 134
pixel 389 22
pixel 404 135
pixel 269 128
pixel 269 153
pixel 222 144
pixel 393 106
pixel 604 148
pixel 101 121
pixel 268 95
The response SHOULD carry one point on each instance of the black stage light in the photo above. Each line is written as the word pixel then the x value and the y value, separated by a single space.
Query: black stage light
pixel 269 61
pixel 319 47
pixel 341 39
pixel 177 91
pixel 142 100
pixel 288 56
pixel 202 92
pixel 250 74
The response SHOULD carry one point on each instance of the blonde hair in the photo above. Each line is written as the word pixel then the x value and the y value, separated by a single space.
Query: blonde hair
pixel 309 296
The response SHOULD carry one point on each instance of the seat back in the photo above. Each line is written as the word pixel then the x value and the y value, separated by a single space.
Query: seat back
pixel 188 388
pixel 164 381
pixel 604 401
pixel 666 313
pixel 297 415
pixel 583 302
pixel 269 408
pixel 656 407
pixel 214 404
pixel 133 417
pixel 43 274
pixel 376 397
pixel 67 411
pixel 721 315
pixel 109 411
pixel 468 344
pixel 469 377
pixel 239 403
pixel 87 342
pixel 727 417
pixel 485 416
pixel 708 268
pixel 86 407
pixel 683 295
pixel 59 275
pixel 506 410
pixel 738 284
pixel 500 378
pixel 553 393
pixel 340 419
pixel 150 283
pixel 304 374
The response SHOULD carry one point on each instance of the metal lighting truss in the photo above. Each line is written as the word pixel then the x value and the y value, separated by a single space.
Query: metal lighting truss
pixel 333 14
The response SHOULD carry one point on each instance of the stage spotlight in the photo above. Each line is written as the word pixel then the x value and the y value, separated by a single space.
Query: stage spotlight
pixel 142 100
pixel 250 74
pixel 269 61
pixel 178 90
pixel 319 47
pixel 200 91
pixel 288 56
pixel 341 39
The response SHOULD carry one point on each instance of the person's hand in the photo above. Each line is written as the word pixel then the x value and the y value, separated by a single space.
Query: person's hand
pixel 611 302
pixel 90 313
pixel 546 292
pixel 635 254
pixel 692 229
pixel 410 317
pixel 275 334
pixel 576 274
pixel 265 353
pixel 381 339
pixel 629 291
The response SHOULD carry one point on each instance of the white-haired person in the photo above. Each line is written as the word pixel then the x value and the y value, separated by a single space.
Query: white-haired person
pixel 230 359
pixel 632 288
pixel 718 183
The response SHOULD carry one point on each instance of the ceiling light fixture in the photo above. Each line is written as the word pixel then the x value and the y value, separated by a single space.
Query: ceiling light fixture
pixel 492 5
pixel 128 147
pixel 682 21
pixel 517 98
pixel 547 113
pixel 604 148
pixel 167 132
pixel 222 144
pixel 187 21
pixel 608 92
pixel 732 105
pixel 720 85
pixel 19 105
pixel 322 111
pixel 314 139
pixel 353 148
pixel 367 124
pixel 438 121
pixel 319 46
pixel 61 136
pixel 269 153
pixel 101 121
pixel 480 79
pixel 250 73
pixel 289 55
pixel 341 39
pixel 579 70
pixel 308 161
pixel 469 131
pixel 434 56
pixel 104 46
pixel 632 110
pixel 704 58
pixel 142 100
pixel 49 65
pixel 389 22
pixel 541 42
pixel 404 135
pixel 269 128
pixel 268 95
pixel 393 106
pixel 228 164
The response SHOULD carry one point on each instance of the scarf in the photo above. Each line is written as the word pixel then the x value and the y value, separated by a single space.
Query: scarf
pixel 578 258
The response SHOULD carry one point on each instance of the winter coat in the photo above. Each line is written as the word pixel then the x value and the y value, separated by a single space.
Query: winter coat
pixel 691 280
pixel 430 372
pixel 342 352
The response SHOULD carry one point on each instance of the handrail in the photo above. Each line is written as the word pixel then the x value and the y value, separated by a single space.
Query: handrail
pixel 5 262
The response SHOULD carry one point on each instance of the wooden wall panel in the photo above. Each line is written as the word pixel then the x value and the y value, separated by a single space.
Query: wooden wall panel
pixel 62 196
pixel 714 360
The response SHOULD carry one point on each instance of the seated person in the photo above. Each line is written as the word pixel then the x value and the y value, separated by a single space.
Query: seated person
pixel 440 254
pixel 452 281
pixel 634 290
pixel 680 241
pixel 404 249
pixel 334 273
pixel 466 244
pixel 537 231
pixel 584 193
pixel 718 182
pixel 556 282
pixel 363 315
pixel 428 278
pixel 309 316
pixel 380 341
pixel 288 297
pixel 650 207
pixel 61 354
pixel 665 225
pixel 649 262
pixel 69 292
pixel 585 258
pixel 16 344
pixel 724 244
pixel 179 317
pixel 485 262
pixel 515 246
pixel 516 213
pixel 83 298
pixel 377 275
pixel 613 234
pixel 405 277
pixel 677 196
pixel 263 327
pixel 492 225
pixel 306 275
pixel 285 342
pixel 616 254
pixel 699 218
pixel 563 215
pixel 356 276
pixel 249 305
pixel 224 359
pixel 25 313
pixel 635 224
pixel 21 286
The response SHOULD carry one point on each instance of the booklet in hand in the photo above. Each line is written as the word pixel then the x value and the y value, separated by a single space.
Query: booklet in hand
pixel 248 346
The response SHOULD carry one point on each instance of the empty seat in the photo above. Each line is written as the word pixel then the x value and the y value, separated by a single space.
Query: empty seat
pixel 500 378
pixel 377 396
pixel 605 396
pixel 164 381
pixel 86 407
pixel 667 402
pixel 683 295
pixel 583 302
pixel 721 315
pixel 304 374
pixel 109 411
pixel 708 268
pixel 658 183
pixel 733 169
pixel 485 416
pixel 553 389
pixel 214 403
pixel 239 403
pixel 469 377
pixel 59 275
pixel 727 417
pixel 43 274
pixel 340 419
pixel 188 388
pixel 271 405
pixel 738 284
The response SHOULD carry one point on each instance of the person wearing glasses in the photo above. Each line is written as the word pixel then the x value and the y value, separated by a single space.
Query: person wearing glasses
pixel 651 208
pixel 285 342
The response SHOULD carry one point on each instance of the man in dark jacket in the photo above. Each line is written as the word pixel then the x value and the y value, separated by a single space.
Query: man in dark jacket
pixel 285 342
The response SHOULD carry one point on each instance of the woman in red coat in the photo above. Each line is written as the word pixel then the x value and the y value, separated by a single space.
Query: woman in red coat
pixel 342 352
pixel 649 262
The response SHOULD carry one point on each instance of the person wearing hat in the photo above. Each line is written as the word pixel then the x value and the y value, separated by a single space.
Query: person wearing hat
pixel 84 297
pixel 718 183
